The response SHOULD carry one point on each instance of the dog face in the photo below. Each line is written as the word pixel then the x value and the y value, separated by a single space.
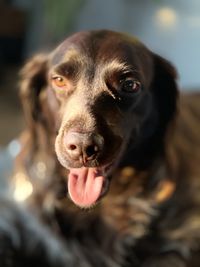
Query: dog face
pixel 105 96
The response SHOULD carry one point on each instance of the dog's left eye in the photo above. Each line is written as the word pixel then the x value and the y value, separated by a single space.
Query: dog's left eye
pixel 59 81
pixel 130 85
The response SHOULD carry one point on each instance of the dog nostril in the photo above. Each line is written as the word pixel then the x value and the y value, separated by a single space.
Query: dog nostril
pixel 83 147
pixel 91 150
pixel 72 147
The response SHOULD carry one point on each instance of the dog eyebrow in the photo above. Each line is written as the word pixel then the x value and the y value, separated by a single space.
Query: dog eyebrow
pixel 68 69
pixel 120 67
pixel 117 65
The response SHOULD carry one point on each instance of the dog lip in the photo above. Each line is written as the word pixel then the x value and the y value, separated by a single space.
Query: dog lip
pixel 106 183
pixel 104 168
pixel 105 187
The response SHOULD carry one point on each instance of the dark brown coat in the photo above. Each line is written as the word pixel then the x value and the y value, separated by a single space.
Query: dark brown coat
pixel 105 91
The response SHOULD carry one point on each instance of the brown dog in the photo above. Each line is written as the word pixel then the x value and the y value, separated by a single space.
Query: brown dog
pixel 103 122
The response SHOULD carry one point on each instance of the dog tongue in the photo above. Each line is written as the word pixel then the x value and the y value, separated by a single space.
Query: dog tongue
pixel 85 185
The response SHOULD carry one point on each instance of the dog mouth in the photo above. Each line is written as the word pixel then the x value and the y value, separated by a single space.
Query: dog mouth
pixel 86 186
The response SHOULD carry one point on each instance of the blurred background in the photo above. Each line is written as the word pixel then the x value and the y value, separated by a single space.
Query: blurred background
pixel 169 27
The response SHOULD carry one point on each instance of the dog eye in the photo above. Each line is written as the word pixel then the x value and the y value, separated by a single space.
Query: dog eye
pixel 59 81
pixel 130 85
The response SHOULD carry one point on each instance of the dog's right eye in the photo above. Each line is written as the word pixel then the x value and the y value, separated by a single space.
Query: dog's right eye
pixel 59 81
pixel 130 85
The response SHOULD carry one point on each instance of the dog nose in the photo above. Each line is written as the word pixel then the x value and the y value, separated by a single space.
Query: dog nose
pixel 83 146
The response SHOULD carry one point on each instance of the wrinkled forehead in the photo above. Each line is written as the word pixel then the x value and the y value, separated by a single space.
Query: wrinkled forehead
pixel 103 47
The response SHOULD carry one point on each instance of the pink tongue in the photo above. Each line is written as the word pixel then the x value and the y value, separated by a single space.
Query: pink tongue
pixel 85 186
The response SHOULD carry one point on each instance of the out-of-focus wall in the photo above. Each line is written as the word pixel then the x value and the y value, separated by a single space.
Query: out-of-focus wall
pixel 171 28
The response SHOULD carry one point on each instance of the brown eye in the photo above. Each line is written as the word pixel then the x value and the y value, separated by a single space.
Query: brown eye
pixel 130 85
pixel 59 81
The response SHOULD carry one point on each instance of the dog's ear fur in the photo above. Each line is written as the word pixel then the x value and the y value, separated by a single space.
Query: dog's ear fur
pixel 164 93
pixel 33 82
pixel 165 90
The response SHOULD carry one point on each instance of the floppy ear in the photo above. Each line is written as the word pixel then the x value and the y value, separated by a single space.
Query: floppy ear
pixel 165 90
pixel 33 82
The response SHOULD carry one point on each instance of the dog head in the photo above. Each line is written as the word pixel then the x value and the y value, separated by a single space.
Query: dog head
pixel 100 96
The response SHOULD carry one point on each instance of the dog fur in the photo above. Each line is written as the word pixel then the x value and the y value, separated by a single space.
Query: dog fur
pixel 148 213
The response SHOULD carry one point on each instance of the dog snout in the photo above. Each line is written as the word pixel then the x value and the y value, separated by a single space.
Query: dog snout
pixel 83 147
